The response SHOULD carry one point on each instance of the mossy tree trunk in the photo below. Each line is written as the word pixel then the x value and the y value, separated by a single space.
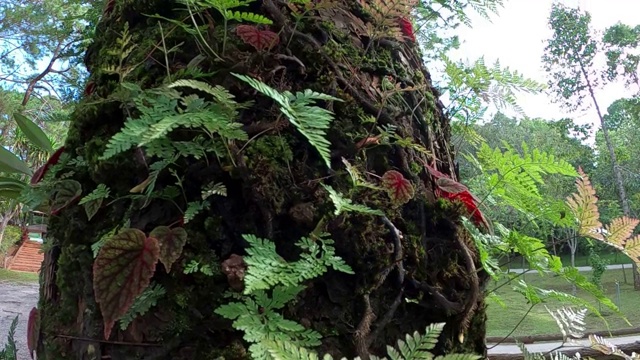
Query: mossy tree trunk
pixel 273 190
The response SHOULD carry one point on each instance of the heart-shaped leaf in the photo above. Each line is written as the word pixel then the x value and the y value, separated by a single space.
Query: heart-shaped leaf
pixel 64 194
pixel 33 132
pixel 91 207
pixel 33 330
pixel 171 242
pixel 121 272
pixel 10 163
pixel 400 189
pixel 259 39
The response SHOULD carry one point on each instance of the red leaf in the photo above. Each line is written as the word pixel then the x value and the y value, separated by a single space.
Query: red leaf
pixel 259 39
pixel 33 330
pixel 171 242
pixel 64 194
pixel 471 204
pixel 121 272
pixel 42 171
pixel 400 189
pixel 407 28
pixel 90 88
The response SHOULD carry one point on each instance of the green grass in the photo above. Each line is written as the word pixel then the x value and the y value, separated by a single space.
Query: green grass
pixel 581 260
pixel 538 322
pixel 16 276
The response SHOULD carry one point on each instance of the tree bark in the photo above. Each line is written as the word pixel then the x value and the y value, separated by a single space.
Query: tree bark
pixel 282 200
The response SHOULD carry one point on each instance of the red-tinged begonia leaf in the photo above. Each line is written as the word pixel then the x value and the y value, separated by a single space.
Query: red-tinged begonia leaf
pixel 407 28
pixel 259 39
pixel 33 330
pixel 171 242
pixel 121 272
pixel 64 194
pixel 42 171
pixel 400 189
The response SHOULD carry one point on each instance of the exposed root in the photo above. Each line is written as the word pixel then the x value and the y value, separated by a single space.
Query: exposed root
pixel 474 292
pixel 364 328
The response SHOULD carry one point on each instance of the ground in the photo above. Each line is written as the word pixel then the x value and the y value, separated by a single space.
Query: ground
pixel 16 298
pixel 538 322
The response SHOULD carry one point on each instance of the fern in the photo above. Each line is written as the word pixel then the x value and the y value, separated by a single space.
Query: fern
pixel 617 234
pixel 193 209
pixel 267 268
pixel 142 304
pixel 343 204
pixel 99 193
pixel 312 121
pixel 414 347
pixel 256 315
pixel 570 322
pixel 584 207
pixel 385 15
pixel 10 350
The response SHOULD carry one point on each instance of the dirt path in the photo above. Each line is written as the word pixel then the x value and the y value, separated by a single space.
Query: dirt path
pixel 16 299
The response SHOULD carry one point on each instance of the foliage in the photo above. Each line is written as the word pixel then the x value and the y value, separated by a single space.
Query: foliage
pixel 569 56
pixel 398 187
pixel 470 85
pixel 620 43
pixel 414 347
pixel 344 204
pixel 10 350
pixel 142 304
pixel 256 315
pixel 269 269
pixel 121 272
pixel 618 233
pixel 171 242
pixel 311 121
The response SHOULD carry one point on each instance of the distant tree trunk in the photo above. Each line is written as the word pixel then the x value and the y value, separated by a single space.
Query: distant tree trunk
pixel 270 195
pixel 617 174
pixel 573 247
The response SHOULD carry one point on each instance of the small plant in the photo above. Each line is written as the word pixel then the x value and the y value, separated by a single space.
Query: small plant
pixel 10 351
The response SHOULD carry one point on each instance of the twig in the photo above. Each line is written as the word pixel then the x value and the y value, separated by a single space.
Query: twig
pixel 514 328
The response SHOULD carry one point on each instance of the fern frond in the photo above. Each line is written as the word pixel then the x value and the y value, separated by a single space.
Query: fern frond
pixel 344 204
pixel 99 193
pixel 311 121
pixel 417 346
pixel 570 322
pixel 142 304
pixel 248 17
pixel 583 205
pixel 619 230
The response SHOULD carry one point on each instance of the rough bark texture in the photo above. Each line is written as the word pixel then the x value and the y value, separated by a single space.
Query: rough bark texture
pixel 273 192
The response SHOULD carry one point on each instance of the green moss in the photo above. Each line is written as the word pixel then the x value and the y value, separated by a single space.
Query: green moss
pixel 274 149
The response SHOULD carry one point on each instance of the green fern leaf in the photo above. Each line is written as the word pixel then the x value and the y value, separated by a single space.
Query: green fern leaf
pixel 247 17
pixel 311 121
pixel 343 204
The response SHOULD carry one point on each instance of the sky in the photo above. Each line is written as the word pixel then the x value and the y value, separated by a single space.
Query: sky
pixel 517 34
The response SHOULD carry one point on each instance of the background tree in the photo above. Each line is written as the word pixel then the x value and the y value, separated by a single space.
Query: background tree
pixel 621 48
pixel 569 59
pixel 272 162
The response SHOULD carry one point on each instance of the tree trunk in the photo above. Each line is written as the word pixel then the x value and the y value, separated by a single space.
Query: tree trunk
pixel 617 174
pixel 273 191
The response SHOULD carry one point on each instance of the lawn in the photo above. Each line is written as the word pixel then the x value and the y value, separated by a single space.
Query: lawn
pixel 581 260
pixel 17 276
pixel 502 320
